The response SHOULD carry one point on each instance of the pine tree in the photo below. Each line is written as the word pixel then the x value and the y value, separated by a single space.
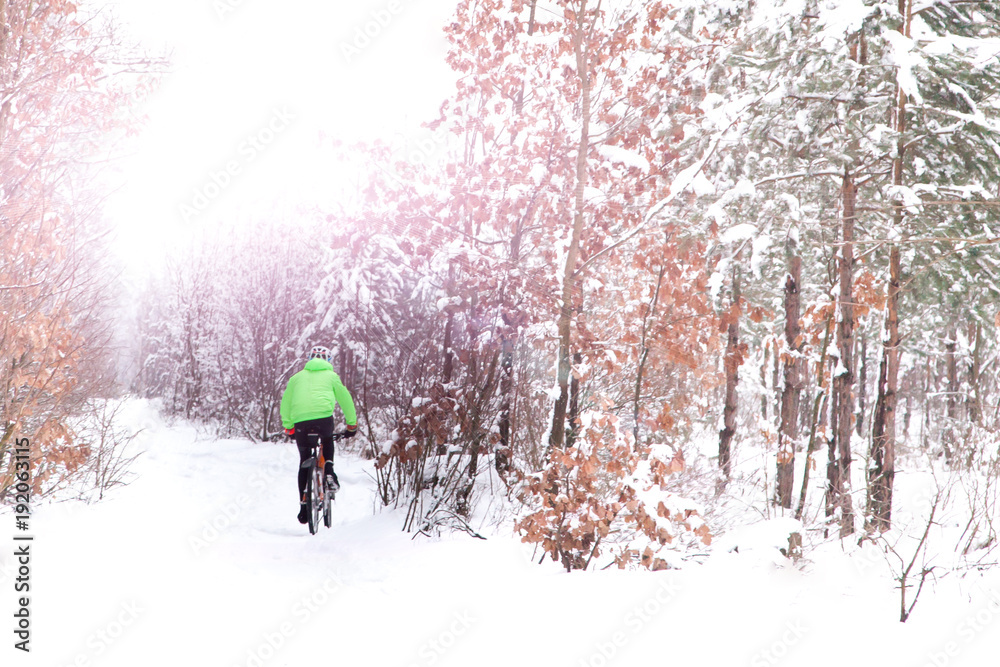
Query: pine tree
pixel 824 99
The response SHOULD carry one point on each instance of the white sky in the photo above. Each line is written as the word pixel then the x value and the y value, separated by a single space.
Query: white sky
pixel 241 68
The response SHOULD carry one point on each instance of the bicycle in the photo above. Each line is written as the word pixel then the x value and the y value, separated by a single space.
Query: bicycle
pixel 319 495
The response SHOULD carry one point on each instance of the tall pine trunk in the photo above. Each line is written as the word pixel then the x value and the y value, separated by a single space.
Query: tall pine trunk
pixel 839 470
pixel 731 361
pixel 883 451
pixel 882 470
pixel 789 432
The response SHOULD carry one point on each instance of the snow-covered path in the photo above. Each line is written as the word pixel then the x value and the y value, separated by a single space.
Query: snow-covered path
pixel 200 561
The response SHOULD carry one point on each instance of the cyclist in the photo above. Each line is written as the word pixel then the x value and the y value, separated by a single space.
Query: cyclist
pixel 307 407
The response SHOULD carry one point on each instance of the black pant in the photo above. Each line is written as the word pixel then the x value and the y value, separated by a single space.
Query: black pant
pixel 324 428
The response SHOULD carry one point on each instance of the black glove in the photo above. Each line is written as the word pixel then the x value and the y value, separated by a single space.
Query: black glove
pixel 351 431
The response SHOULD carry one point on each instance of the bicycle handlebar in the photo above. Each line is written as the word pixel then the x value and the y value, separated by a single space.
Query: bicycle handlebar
pixel 338 435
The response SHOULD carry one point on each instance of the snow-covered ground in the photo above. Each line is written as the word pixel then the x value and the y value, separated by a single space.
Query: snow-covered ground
pixel 200 561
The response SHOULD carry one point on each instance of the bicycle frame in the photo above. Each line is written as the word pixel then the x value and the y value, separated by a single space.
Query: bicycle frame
pixel 318 497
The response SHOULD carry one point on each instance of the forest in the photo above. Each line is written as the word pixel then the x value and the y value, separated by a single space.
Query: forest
pixel 653 272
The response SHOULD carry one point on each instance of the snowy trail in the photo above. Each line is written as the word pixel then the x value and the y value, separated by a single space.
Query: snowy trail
pixel 200 561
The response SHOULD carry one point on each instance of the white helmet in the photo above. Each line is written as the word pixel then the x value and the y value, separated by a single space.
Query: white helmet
pixel 319 352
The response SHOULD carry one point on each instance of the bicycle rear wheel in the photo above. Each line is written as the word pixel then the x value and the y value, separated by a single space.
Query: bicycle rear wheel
pixel 327 509
pixel 313 495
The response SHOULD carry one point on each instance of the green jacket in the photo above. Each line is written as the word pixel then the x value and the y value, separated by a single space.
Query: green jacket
pixel 311 394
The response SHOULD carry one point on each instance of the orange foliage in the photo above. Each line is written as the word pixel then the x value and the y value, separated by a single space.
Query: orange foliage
pixel 601 485
pixel 57 100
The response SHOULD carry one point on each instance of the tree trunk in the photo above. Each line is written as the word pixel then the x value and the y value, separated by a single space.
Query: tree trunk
pixel 925 420
pixel 570 278
pixel 776 382
pixel 4 39
pixel 509 335
pixel 951 365
pixel 763 380
pixel 882 470
pixel 507 338
pixel 817 411
pixel 504 451
pixel 731 362
pixel 573 423
pixel 859 417
pixel 447 365
pixel 789 432
pixel 974 402
pixel 834 485
pixel 907 415
pixel 883 450
pixel 844 374
pixel 463 495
